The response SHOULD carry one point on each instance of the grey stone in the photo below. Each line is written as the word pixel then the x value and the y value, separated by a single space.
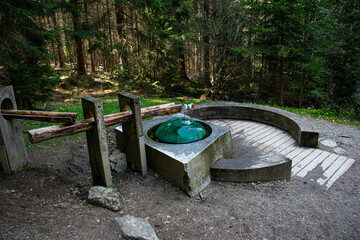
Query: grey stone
pixel 130 227
pixel 118 161
pixel 117 156
pixel 105 197
pixel 328 143
pixel 339 150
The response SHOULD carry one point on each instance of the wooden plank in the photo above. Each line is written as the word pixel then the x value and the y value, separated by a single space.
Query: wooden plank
pixel 97 142
pixel 274 140
pixel 305 161
pixel 259 128
pixel 296 152
pixel 38 113
pixel 240 127
pixel 302 155
pixel 312 165
pixel 289 149
pixel 284 139
pixel 258 134
pixel 133 133
pixel 288 142
pixel 235 127
pixel 261 134
pixel 40 118
pixel 268 137
pixel 346 165
pixel 46 133
pixel 328 161
pixel 331 170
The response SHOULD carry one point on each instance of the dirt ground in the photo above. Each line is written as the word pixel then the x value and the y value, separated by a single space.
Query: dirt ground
pixel 47 200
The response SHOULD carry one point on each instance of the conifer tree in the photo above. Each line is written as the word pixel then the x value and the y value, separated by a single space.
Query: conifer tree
pixel 23 51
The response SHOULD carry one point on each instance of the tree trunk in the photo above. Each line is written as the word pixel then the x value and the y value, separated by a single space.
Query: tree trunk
pixel 68 44
pixel 110 57
pixel 281 81
pixel 182 67
pixel 59 42
pixel 207 44
pixel 87 18
pixel 120 27
pixel 78 41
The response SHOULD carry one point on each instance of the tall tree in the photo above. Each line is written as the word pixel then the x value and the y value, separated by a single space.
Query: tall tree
pixel 286 42
pixel 59 42
pixel 75 12
pixel 23 51
pixel 343 59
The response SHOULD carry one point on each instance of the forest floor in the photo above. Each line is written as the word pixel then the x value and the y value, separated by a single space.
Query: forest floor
pixel 47 200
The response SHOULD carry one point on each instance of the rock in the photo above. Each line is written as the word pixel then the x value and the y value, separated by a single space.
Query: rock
pixel 328 143
pixel 339 150
pixel 118 161
pixel 117 156
pixel 130 227
pixel 62 205
pixel 105 197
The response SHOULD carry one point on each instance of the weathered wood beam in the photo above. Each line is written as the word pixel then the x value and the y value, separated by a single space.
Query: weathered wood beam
pixel 57 117
pixel 47 133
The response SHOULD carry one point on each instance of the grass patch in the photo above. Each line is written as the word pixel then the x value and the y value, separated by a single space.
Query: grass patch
pixel 340 117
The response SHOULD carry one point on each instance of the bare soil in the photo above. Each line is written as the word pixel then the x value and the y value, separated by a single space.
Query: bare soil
pixel 47 200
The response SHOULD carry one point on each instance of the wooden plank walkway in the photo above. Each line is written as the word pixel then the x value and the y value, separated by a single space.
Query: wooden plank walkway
pixel 310 164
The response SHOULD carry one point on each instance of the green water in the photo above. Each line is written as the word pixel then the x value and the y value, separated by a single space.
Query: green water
pixel 180 130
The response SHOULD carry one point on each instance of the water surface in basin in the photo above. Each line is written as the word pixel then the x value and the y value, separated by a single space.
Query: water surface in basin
pixel 180 130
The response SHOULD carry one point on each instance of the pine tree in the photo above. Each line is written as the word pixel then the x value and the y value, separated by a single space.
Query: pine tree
pixel 23 51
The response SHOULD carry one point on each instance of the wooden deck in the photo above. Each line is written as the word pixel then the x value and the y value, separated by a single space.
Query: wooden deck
pixel 310 164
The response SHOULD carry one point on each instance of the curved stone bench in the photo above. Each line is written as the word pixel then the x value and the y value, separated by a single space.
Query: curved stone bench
pixel 261 168
pixel 302 130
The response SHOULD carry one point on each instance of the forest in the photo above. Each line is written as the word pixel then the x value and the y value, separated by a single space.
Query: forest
pixel 299 53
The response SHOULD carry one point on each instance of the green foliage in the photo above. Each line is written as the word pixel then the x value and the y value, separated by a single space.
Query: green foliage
pixel 340 117
pixel 343 61
pixel 287 37
pixel 154 67
pixel 23 52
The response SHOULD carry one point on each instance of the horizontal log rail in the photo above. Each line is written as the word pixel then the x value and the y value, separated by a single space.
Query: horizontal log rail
pixel 47 133
pixel 42 116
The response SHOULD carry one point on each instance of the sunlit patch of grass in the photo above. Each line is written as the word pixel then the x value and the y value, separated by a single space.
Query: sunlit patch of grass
pixel 340 117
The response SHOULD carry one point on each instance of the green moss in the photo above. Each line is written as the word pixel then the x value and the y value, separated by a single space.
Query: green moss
pixel 18 170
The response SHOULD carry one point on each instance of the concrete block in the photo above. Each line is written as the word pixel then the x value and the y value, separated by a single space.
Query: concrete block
pixel 263 168
pixel 187 166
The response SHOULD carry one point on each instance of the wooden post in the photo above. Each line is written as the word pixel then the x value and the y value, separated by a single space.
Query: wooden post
pixel 133 137
pixel 13 155
pixel 97 142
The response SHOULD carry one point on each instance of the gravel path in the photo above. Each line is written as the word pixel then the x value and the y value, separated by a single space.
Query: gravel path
pixel 346 137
